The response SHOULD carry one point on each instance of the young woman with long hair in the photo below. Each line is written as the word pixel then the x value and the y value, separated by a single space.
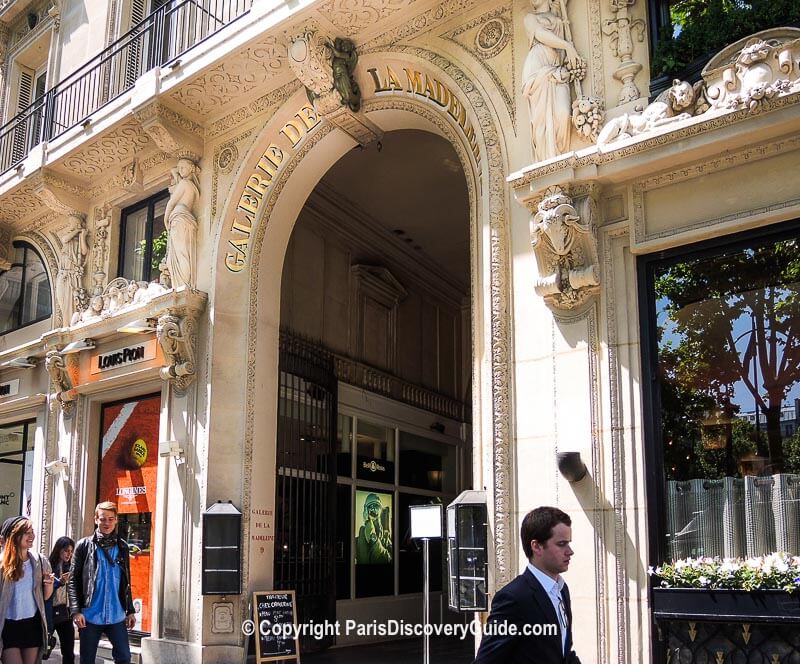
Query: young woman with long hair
pixel 60 559
pixel 26 582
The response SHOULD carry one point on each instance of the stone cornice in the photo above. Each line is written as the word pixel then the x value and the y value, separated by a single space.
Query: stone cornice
pixel 700 137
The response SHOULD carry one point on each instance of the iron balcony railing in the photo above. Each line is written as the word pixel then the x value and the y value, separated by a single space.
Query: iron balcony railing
pixel 164 35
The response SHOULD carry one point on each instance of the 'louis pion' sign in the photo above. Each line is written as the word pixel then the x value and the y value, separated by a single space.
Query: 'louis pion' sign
pixel 123 357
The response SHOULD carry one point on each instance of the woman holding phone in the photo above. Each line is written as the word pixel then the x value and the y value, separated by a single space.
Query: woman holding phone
pixel 60 560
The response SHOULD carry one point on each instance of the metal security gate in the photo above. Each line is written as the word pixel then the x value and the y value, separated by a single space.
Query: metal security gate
pixel 305 523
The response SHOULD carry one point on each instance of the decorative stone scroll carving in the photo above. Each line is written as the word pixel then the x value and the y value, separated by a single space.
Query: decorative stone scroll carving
pixel 754 69
pixel 745 75
pixel 170 131
pixel 566 249
pixel 70 294
pixel 180 261
pixel 622 30
pixel 119 294
pixel 177 336
pixel 551 72
pixel 326 68
pixel 63 393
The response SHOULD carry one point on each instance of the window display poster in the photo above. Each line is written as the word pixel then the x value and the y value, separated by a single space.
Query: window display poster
pixel 128 474
pixel 373 514
pixel 10 479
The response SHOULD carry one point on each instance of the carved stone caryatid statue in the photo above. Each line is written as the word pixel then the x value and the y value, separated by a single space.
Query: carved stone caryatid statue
pixel 69 280
pixel 181 224
pixel 547 77
pixel 565 249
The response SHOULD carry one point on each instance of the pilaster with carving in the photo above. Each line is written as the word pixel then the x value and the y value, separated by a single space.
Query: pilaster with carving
pixel 563 237
pixel 622 29
pixel 5 35
pixel 63 393
pixel 325 66
pixel 177 336
pixel 102 222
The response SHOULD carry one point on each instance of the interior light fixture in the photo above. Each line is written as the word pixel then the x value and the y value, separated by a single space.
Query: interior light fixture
pixel 140 326
pixel 78 346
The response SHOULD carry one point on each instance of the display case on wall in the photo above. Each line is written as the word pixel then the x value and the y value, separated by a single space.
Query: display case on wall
pixel 467 552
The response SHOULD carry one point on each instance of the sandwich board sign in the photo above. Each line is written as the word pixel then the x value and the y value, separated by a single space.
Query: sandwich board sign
pixel 275 616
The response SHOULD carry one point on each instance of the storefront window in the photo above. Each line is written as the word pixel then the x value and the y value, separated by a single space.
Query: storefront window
pixel 24 290
pixel 375 452
pixel 144 239
pixel 16 469
pixel 727 399
pixel 128 477
pixel 427 464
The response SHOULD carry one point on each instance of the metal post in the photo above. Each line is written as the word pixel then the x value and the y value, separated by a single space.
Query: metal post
pixel 426 655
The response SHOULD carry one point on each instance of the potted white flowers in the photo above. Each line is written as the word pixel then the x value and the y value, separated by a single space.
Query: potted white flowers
pixel 766 588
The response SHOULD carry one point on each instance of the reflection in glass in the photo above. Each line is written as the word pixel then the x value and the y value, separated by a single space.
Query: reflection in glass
pixel 728 344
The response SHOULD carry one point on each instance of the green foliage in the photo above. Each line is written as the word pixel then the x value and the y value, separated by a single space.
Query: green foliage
pixel 707 26
pixel 725 319
pixel 158 249
pixel 774 572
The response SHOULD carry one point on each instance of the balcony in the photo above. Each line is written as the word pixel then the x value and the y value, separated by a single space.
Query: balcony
pixel 160 39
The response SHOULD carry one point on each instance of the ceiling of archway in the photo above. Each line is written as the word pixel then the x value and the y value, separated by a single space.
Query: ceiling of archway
pixel 414 184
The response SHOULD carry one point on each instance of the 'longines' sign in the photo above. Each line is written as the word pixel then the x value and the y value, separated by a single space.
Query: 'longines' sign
pixel 123 357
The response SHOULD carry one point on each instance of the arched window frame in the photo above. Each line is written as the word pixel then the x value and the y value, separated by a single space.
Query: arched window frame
pixel 35 281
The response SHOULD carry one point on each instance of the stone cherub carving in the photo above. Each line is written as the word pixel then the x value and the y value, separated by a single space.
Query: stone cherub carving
pixel 118 294
pixel 565 249
pixel 673 105
pixel 69 287
pixel 181 224
pixel 343 62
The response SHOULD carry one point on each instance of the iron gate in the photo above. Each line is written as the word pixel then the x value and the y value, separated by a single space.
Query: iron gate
pixel 305 524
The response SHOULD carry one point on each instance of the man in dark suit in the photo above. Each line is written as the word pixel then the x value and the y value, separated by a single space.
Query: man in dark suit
pixel 531 617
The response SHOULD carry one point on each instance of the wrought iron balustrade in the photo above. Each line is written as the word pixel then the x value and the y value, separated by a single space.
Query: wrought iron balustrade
pixel 163 36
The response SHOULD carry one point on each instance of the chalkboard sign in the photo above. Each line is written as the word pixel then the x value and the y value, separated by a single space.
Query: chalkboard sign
pixel 275 615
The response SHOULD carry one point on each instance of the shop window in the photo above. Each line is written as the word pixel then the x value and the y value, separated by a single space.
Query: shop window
pixel 143 244
pixel 427 464
pixel 344 446
pixel 128 476
pixel 24 290
pixel 724 338
pixel 374 452
pixel 374 526
pixel 16 469
pixel 410 556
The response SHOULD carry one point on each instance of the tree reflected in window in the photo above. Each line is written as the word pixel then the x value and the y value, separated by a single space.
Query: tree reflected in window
pixel 728 339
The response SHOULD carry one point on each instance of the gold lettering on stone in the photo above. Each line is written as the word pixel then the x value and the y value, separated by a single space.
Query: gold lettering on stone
pixel 424 85
pixel 261 179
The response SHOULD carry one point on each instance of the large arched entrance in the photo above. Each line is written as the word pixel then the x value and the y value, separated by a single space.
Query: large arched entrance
pixel 375 289
pixel 251 254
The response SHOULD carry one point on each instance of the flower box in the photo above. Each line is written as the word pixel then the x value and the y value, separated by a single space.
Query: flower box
pixel 719 605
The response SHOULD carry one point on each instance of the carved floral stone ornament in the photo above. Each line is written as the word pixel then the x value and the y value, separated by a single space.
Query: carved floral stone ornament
pixel 566 250
pixel 177 336
pixel 119 295
pixel 744 76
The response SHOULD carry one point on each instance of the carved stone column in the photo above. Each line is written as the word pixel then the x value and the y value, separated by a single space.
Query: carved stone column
pixel 4 37
pixel 178 338
pixel 622 29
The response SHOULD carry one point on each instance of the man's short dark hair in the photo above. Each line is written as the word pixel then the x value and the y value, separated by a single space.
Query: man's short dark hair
pixel 538 525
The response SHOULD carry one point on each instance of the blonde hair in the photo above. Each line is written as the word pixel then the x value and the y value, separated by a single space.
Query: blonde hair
pixel 11 562
pixel 105 505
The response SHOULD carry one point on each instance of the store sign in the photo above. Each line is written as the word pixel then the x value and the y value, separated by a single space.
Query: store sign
pixel 124 357
pixel 259 184
pixel 421 85
pixel 9 388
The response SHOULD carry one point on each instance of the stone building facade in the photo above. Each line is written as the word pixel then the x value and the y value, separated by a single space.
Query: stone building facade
pixel 183 214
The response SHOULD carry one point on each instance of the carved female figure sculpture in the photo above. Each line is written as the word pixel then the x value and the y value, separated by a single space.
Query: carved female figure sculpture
pixel 74 249
pixel 182 224
pixel 546 79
